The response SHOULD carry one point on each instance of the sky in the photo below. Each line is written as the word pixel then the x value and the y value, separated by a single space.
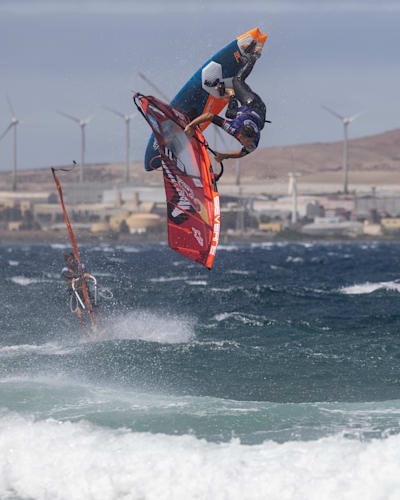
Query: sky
pixel 80 56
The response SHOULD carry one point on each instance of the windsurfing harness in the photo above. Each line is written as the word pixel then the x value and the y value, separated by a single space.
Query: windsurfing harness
pixel 193 209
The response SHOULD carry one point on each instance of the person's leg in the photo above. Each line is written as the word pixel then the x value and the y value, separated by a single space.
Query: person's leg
pixel 244 94
pixel 232 108
pixel 242 91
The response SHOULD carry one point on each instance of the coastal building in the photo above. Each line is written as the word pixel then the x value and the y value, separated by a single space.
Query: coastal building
pixel 97 208
pixel 384 204
pixel 332 226
pixel 391 224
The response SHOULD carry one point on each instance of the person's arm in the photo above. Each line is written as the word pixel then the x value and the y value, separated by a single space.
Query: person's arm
pixel 205 117
pixel 67 274
pixel 230 154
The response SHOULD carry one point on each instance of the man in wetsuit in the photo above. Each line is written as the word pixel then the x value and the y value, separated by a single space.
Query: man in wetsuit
pixel 243 122
pixel 72 273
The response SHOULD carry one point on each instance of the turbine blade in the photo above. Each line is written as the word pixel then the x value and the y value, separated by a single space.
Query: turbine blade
pixel 114 111
pixel 88 119
pixel 354 117
pixel 332 112
pixel 6 131
pixel 10 106
pixel 154 87
pixel 66 115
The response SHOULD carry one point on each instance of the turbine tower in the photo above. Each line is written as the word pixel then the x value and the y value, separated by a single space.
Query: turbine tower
pixel 346 120
pixel 82 123
pixel 127 119
pixel 292 190
pixel 12 125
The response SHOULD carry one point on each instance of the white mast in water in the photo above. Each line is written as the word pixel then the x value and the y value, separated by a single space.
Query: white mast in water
pixel 346 120
pixel 12 125
pixel 82 123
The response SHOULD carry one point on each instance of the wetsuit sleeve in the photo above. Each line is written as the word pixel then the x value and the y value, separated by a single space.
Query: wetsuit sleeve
pixel 68 274
pixel 218 120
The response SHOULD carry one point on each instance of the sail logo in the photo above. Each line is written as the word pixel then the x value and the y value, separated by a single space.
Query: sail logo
pixel 180 206
pixel 198 236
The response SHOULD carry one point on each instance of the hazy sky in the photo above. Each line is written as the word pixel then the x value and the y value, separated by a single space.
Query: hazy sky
pixel 78 56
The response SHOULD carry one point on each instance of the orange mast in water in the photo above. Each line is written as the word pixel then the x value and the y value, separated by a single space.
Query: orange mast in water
pixel 75 249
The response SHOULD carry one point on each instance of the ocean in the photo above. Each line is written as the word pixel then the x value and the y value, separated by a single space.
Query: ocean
pixel 276 375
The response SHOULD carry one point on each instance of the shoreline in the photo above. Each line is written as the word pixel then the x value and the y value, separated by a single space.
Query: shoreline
pixel 58 238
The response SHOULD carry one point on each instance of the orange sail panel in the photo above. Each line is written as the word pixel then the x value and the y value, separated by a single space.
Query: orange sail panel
pixel 193 209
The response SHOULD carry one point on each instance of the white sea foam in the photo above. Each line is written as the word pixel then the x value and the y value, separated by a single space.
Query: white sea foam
pixel 296 260
pixel 228 248
pixel 365 288
pixel 58 246
pixel 74 461
pixel 13 263
pixel 238 272
pixel 167 279
pixel 145 325
pixel 265 245
pixel 227 289
pixel 128 249
pixel 246 319
pixel 220 344
pixel 24 281
pixel 43 349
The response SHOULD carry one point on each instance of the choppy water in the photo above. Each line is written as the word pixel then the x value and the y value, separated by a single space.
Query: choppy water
pixel 275 375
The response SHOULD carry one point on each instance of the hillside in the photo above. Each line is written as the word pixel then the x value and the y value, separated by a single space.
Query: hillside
pixel 376 154
pixel 373 159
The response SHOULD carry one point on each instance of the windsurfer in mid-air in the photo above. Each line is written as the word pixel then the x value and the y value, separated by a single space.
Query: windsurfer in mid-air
pixel 73 273
pixel 243 122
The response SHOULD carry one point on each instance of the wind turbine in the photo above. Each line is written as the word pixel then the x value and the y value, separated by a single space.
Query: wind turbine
pixel 154 87
pixel 238 179
pixel 82 123
pixel 346 120
pixel 127 119
pixel 12 125
pixel 292 189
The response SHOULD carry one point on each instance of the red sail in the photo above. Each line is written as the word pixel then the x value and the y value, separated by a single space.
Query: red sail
pixel 192 197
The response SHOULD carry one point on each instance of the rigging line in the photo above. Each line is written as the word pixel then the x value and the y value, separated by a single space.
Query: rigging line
pixel 66 169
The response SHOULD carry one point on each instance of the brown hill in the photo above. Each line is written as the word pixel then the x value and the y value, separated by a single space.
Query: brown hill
pixel 376 154
pixel 373 159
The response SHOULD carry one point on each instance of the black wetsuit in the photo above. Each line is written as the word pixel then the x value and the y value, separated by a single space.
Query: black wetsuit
pixel 251 111
pixel 245 95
